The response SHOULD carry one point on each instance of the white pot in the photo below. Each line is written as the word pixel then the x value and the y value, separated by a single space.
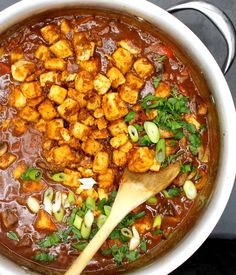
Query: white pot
pixel 216 83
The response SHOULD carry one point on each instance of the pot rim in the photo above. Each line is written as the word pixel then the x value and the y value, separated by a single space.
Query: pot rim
pixel 217 84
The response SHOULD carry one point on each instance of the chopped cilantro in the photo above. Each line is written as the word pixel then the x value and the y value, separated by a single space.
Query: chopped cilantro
pixel 194 143
pixel 143 245
pixel 145 141
pixel 133 255
pixel 173 192
pixel 138 127
pixel 156 81
pixel 106 252
pixel 49 241
pixel 101 205
pixel 79 246
pixel 43 257
pixel 157 232
pixel 12 236
pixel 186 168
pixel 197 177
pixel 130 116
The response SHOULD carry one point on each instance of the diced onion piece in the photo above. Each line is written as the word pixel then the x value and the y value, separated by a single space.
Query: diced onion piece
pixel 64 200
pixel 133 133
pixel 59 215
pixel 157 222
pixel 152 131
pixel 126 232
pixel 78 222
pixel 87 183
pixel 85 231
pixel 190 189
pixel 101 220
pixel 57 204
pixel 33 204
pixel 135 240
pixel 88 218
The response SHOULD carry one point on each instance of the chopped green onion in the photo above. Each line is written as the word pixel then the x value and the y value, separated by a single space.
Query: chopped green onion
pixel 101 220
pixel 90 203
pixel 152 200
pixel 48 194
pixel 156 81
pixel 107 210
pixel 59 177
pixel 173 192
pixel 145 141
pixel 133 133
pixel 152 131
pixel 44 257
pixel 161 150
pixel 13 236
pixel 32 174
pixel 71 197
pixel 59 215
pixel 190 189
pixel 157 222
pixel 88 218
pixel 166 194
pixel 126 232
pixel 78 222
pixel 130 116
pixel 85 231
pixel 79 246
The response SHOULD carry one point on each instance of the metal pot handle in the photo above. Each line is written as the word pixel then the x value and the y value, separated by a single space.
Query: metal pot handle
pixel 220 20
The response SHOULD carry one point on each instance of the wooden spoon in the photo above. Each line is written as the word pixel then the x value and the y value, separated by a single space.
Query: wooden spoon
pixel 135 189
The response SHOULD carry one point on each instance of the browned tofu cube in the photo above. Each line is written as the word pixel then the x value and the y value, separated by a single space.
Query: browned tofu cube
pixel 106 180
pixel 68 77
pixel 16 56
pixel 57 94
pixel 91 147
pixel 94 102
pixel 85 117
pixel 33 102
pixel 61 49
pixel 49 77
pixel 72 178
pixel 68 108
pixel 134 82
pixel 42 53
pixel 19 126
pixel 84 82
pixel 91 66
pixel 141 159
pixel 116 77
pixel 22 69
pixel 98 113
pixel 129 46
pixel 143 67
pixel 123 60
pixel 6 160
pixel 119 158
pixel 20 169
pixel 119 140
pixel 63 155
pixel 100 134
pixel 53 129
pixel 101 162
pixel 44 222
pixel 41 125
pixel 118 127
pixel 101 123
pixel 101 84
pixel 9 218
pixel 56 64
pixel 29 114
pixel 50 33
pixel 31 187
pixel 80 131
pixel 65 26
pixel 16 98
pixel 113 106
pixel 128 94
pixel 31 89
pixel 47 110
pixel 162 90
pixel 84 49
pixel 126 147
pixel 78 96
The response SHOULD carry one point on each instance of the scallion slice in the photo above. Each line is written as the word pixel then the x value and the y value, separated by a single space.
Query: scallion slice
pixel 126 232
pixel 107 210
pixel 85 231
pixel 90 203
pixel 190 189
pixel 59 215
pixel 152 131
pixel 78 222
pixel 152 200
pixel 133 133
pixel 59 177
pixel 88 218
pixel 101 220
pixel 157 222
pixel 32 174
pixel 161 150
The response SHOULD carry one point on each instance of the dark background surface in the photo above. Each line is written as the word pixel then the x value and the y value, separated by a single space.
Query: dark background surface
pixel 206 31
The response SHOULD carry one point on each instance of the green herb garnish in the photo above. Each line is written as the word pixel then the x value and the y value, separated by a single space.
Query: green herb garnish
pixel 13 236
pixel 194 143
pixel 130 116
pixel 43 257
pixel 79 246
pixel 32 174
pixel 145 141
pixel 156 81
pixel 49 241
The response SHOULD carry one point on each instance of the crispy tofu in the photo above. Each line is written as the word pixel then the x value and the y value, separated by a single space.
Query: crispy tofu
pixel 68 77
pixel 118 140
pixel 116 77
pixel 44 222
pixel 128 95
pixel 123 60
pixel 84 49
pixel 47 110
pixel 141 159
pixel 80 131
pixel 100 134
pixel 53 129
pixel 143 67
pixel 49 77
pixel 94 102
pixel 19 170
pixel 50 33
pixel 84 82
pixel 19 126
pixel 98 113
pixel 42 53
pixel 22 69
pixel 72 178
pixel 61 49
pixel 119 158
pixel 101 123
pixel 16 56
pixel 91 65
pixel 56 64
pixel 85 117
pixel 106 180
pixel 126 147
pixel 6 160
pixel 156 165
pixel 33 102
pixel 190 118
pixel 57 94
pixel 134 82
pixel 29 114
pixel 65 26
pixel 118 127
pixel 163 90
pixel 91 147
pixel 41 125
pixel 86 172
pixel 113 106
pixel 129 46
pixel 68 108
pixel 101 162
pixel 65 134
pixel 101 84
pixel 31 89
pixel 32 186
pixel 63 155
pixel 16 98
